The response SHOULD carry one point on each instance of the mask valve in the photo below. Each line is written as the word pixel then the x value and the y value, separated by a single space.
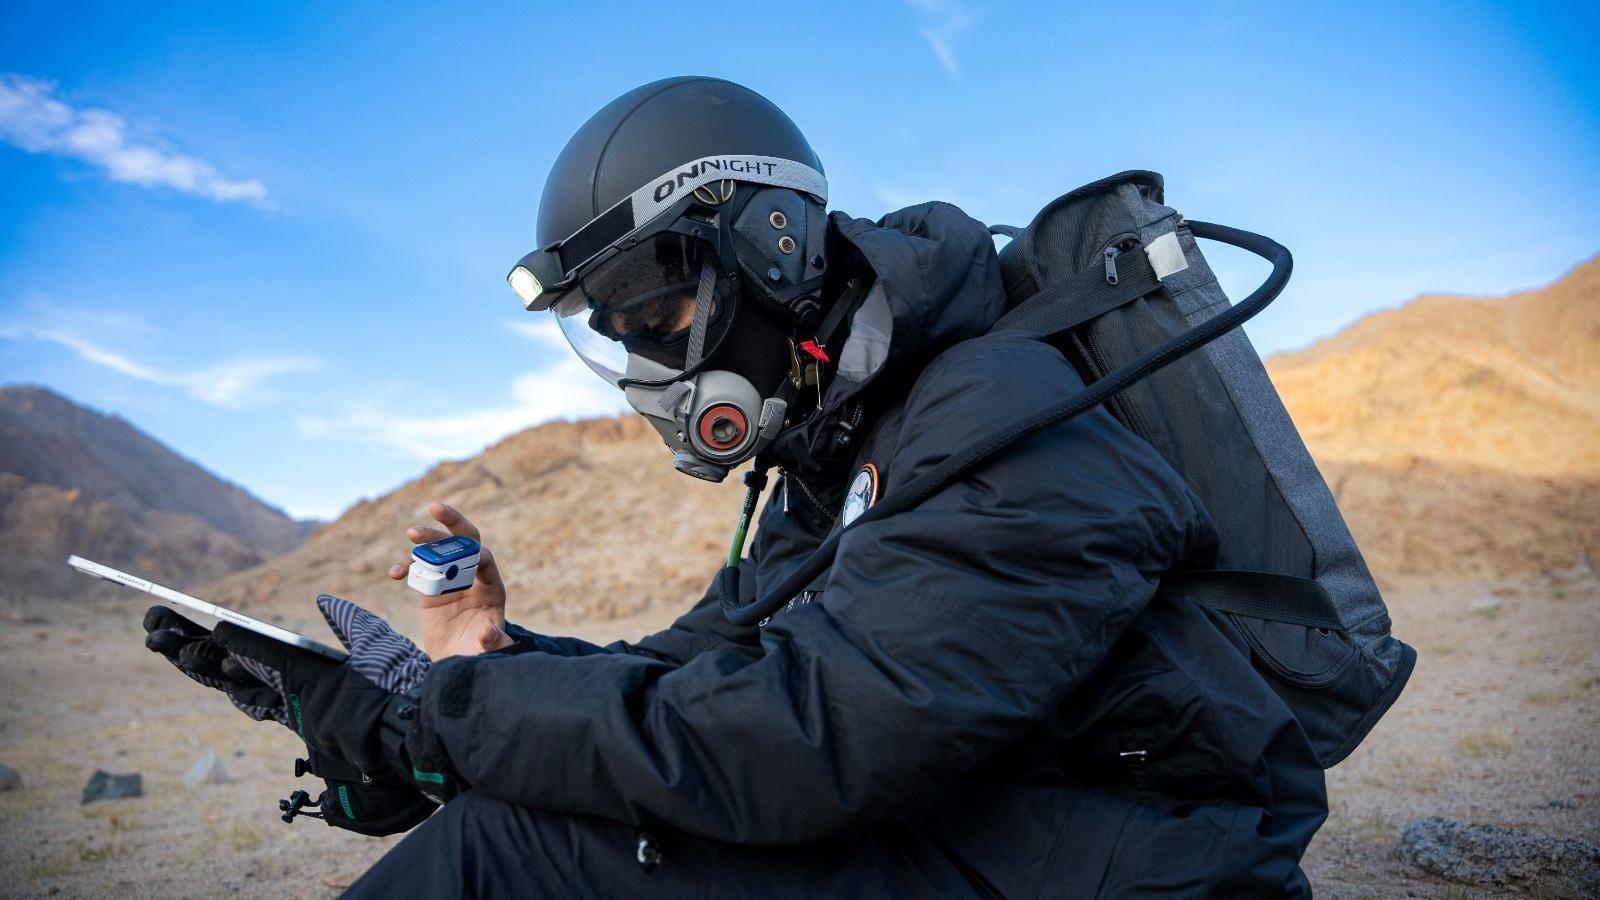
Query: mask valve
pixel 723 427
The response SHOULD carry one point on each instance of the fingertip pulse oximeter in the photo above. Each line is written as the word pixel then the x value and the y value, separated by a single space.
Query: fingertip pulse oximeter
pixel 444 566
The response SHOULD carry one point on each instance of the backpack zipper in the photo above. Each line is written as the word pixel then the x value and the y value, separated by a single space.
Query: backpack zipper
pixel 1116 247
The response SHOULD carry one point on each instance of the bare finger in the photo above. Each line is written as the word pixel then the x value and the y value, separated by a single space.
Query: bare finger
pixel 451 518
pixel 422 534
pixel 398 570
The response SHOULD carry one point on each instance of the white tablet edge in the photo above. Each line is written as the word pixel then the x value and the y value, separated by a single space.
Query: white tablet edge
pixel 91 567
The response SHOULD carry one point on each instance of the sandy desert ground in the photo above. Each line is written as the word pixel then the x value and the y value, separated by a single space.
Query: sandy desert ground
pixel 1496 726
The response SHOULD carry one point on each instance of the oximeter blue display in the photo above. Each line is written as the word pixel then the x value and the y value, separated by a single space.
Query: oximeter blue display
pixel 444 566
pixel 445 551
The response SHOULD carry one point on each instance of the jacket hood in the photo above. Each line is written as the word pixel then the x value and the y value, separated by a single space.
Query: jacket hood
pixel 933 281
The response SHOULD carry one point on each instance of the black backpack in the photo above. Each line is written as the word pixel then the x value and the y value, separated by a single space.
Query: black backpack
pixel 1113 278
pixel 1291 578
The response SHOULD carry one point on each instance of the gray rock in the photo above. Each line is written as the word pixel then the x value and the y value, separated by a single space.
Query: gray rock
pixel 10 779
pixel 1493 855
pixel 105 786
pixel 206 770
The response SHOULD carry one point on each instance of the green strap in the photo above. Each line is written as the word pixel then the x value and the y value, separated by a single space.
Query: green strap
pixel 754 480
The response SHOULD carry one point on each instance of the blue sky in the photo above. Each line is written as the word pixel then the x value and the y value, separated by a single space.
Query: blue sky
pixel 276 238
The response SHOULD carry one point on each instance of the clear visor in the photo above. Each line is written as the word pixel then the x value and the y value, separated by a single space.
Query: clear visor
pixel 603 356
pixel 640 301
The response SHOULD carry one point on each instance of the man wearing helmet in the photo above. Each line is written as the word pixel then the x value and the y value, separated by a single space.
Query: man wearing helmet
pixel 978 698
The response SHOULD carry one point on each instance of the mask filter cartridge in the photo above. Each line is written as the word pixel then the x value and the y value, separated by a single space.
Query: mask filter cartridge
pixel 712 422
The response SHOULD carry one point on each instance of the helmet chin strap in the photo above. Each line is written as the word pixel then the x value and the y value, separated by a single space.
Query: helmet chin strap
pixel 702 315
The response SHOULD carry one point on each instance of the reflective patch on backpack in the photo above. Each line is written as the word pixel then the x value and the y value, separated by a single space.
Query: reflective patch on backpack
pixel 862 494
pixel 1166 255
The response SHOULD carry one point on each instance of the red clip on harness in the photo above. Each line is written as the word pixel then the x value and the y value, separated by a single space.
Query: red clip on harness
pixel 814 351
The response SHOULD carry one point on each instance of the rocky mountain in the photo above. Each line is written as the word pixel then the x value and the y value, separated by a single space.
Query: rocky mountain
pixel 1462 436
pixel 1511 384
pixel 73 480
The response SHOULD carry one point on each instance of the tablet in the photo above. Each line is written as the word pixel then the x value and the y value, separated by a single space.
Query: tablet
pixel 211 609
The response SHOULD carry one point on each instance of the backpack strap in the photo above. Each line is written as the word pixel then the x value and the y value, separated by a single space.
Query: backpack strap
pixel 1260 595
pixel 1087 295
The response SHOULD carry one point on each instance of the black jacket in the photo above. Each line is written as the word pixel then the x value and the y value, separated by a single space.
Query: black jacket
pixel 994 670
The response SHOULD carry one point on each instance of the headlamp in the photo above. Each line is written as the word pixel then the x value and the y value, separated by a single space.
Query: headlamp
pixel 538 279
pixel 527 286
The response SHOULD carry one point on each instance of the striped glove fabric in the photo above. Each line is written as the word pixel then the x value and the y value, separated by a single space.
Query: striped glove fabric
pixel 382 655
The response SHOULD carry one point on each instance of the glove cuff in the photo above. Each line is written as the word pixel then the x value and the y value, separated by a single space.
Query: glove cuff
pixel 413 750
pixel 385 806
pixel 373 804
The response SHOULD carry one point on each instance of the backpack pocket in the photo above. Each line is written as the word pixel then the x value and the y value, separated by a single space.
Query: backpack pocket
pixel 1298 655
pixel 1336 689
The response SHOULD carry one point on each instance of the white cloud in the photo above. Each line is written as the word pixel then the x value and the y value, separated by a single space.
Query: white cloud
pixel 563 389
pixel 943 21
pixel 228 384
pixel 33 119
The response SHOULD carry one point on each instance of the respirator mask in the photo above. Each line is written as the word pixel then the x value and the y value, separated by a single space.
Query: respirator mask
pixel 687 295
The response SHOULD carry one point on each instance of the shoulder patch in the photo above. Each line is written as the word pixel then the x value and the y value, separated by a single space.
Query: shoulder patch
pixel 862 494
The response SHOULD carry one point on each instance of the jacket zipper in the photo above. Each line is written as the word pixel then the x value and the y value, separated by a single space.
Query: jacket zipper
pixel 815 503
pixel 847 426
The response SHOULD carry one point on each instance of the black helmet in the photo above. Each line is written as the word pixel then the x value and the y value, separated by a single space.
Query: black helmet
pixel 655 129
pixel 670 157
pixel 681 237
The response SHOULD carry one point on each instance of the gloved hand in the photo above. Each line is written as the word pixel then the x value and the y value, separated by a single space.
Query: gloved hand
pixel 359 711
pixel 190 648
pixel 366 797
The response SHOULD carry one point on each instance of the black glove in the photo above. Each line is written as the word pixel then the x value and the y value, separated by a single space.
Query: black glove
pixel 191 649
pixel 375 805
pixel 361 711
pixel 367 796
